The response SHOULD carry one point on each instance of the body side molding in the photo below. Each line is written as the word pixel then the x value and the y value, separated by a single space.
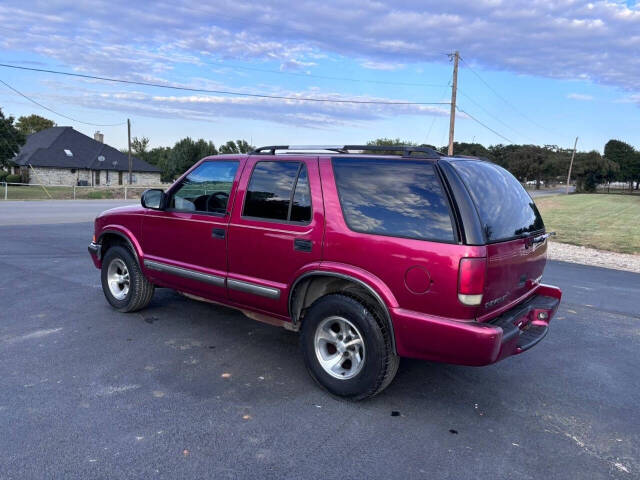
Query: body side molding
pixel 216 280
pixel 247 287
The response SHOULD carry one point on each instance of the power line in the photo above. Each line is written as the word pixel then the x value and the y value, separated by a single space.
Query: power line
pixel 325 77
pixel 484 125
pixel 493 116
pixel 222 92
pixel 58 113
pixel 433 121
pixel 504 99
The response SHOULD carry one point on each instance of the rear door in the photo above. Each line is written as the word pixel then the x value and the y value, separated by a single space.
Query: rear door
pixel 513 230
pixel 276 229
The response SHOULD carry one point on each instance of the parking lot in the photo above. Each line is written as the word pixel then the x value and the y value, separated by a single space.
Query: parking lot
pixel 190 390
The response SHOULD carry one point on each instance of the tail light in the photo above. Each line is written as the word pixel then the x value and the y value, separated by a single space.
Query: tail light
pixel 471 276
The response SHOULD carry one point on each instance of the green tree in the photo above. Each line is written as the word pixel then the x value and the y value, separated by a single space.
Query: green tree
pixel 592 169
pixel 626 158
pixel 469 149
pixel 239 146
pixel 184 154
pixel 139 146
pixel 11 139
pixel 33 123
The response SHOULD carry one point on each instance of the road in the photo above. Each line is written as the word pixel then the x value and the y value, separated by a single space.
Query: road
pixel 50 212
pixel 551 191
pixel 190 390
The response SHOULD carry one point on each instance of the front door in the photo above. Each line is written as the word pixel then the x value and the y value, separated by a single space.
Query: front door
pixel 276 229
pixel 185 246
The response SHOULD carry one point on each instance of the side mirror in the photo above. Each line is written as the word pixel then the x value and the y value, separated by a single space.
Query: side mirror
pixel 153 198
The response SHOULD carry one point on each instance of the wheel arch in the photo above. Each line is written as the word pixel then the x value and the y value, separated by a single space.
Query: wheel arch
pixel 315 284
pixel 111 236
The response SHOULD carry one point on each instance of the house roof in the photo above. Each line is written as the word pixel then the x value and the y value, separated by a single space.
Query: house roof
pixel 51 148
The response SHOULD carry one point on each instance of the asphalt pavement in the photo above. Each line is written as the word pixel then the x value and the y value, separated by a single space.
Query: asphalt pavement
pixel 191 390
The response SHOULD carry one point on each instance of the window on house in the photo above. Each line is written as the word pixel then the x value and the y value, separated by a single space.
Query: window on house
pixel 68 152
pixel 279 191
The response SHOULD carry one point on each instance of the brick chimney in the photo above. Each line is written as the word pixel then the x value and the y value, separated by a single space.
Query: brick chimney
pixel 98 137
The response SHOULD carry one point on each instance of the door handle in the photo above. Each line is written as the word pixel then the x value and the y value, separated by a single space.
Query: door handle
pixel 218 233
pixel 302 245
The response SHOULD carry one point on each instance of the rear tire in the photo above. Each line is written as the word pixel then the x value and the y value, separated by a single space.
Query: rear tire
pixel 123 283
pixel 347 348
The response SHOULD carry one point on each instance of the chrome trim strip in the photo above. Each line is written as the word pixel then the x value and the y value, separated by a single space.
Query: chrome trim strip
pixel 247 287
pixel 185 273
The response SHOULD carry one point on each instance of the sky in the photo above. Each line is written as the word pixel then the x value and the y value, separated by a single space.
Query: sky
pixel 532 71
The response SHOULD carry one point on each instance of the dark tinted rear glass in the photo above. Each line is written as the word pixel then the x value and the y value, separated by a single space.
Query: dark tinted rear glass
pixel 393 197
pixel 506 209
pixel 301 207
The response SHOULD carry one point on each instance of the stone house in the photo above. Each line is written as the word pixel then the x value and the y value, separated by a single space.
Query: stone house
pixel 64 156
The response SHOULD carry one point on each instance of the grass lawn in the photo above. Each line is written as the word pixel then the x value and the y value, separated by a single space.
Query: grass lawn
pixel 607 222
pixel 25 192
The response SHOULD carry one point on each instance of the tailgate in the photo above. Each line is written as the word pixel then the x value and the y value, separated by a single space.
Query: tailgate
pixel 514 268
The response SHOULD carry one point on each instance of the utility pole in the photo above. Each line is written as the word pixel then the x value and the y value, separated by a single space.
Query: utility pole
pixel 571 164
pixel 454 91
pixel 129 136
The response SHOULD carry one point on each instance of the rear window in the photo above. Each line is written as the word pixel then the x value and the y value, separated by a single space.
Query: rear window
pixel 393 197
pixel 506 210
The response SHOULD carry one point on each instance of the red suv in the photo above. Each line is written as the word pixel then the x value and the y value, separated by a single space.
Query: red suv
pixel 372 256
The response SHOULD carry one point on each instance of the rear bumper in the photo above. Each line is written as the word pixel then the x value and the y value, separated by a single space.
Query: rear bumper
pixel 474 343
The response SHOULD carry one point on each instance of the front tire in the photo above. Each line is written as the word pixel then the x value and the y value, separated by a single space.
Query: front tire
pixel 123 283
pixel 347 348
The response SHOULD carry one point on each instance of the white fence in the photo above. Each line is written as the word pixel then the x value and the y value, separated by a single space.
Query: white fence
pixel 30 191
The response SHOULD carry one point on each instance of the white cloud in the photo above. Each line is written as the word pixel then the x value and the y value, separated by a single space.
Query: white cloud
pixel 569 39
pixel 598 40
pixel 580 96
pixel 217 107
pixel 382 65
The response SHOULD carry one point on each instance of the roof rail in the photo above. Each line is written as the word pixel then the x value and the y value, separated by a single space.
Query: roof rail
pixel 407 150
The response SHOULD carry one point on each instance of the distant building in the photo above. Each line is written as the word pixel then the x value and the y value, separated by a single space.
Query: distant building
pixel 63 156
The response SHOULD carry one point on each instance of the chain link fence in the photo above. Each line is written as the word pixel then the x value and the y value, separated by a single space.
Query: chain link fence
pixel 25 191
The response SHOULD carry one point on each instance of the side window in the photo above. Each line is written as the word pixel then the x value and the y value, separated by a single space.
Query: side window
pixel 301 206
pixel 279 191
pixel 398 198
pixel 206 189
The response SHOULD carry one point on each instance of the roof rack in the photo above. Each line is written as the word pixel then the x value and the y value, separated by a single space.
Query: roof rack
pixel 407 150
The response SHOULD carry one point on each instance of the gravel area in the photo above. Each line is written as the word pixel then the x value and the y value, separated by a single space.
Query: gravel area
pixel 592 256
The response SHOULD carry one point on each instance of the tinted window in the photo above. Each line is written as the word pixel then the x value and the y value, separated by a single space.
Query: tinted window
pixel 506 209
pixel 271 189
pixel 393 197
pixel 206 189
pixel 301 208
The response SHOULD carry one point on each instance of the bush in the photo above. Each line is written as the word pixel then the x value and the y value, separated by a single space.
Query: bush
pixel 13 179
pixel 3 174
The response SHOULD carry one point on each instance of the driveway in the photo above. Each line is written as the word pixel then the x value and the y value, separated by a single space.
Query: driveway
pixel 190 390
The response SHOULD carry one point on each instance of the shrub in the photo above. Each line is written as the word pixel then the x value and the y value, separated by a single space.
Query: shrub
pixel 13 179
pixel 3 174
